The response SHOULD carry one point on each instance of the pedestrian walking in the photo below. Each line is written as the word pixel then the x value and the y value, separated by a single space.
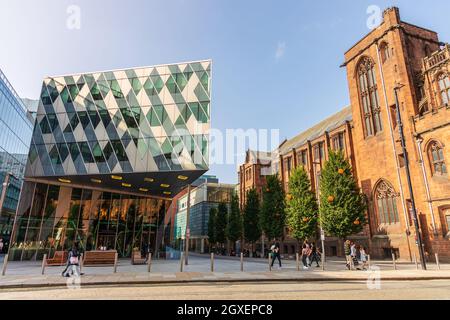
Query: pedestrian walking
pixel 306 251
pixel 275 251
pixel 1 245
pixel 363 257
pixel 348 254
pixel 314 255
pixel 73 262
pixel 354 254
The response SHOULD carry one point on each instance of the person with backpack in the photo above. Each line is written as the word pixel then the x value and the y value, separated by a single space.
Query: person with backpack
pixel 73 262
pixel 275 250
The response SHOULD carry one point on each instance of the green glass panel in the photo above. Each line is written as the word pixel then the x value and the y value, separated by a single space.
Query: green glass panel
pixel 188 72
pixel 74 91
pixel 86 152
pixel 45 128
pixel 103 85
pixel 204 80
pixel 149 88
pixel 152 118
pixel 54 156
pixel 45 97
pixel 95 92
pixel 166 147
pixel 115 89
pixel 180 80
pixel 136 85
pixel 171 85
pixel 195 108
pixel 65 97
pixel 97 153
pixel 160 112
pixel 33 154
pixel 108 151
pixel 157 82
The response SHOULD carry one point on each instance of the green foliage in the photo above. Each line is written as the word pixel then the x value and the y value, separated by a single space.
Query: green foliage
pixel 301 208
pixel 221 223
pixel 212 226
pixel 234 225
pixel 342 205
pixel 273 208
pixel 252 228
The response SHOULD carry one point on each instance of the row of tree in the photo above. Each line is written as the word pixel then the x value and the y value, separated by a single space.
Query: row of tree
pixel 340 208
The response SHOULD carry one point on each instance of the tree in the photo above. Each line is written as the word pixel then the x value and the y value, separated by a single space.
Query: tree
pixel 273 208
pixel 342 205
pixel 301 209
pixel 234 225
pixel 252 228
pixel 212 227
pixel 221 223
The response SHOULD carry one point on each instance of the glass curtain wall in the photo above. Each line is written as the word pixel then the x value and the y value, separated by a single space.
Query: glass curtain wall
pixel 52 218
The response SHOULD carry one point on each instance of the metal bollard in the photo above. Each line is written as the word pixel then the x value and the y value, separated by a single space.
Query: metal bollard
pixel 5 264
pixel 415 261
pixel 394 262
pixel 181 261
pixel 81 262
pixel 44 262
pixel 297 259
pixel 212 261
pixel 116 257
pixel 242 262
pixel 368 261
pixel 270 263
pixel 323 261
pixel 437 261
pixel 149 262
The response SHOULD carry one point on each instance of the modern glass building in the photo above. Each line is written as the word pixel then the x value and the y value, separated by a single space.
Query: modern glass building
pixel 206 195
pixel 109 151
pixel 15 135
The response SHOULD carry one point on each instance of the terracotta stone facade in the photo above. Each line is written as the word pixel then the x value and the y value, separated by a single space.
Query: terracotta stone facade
pixel 396 56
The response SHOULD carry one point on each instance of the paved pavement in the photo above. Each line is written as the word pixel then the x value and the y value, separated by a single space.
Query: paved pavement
pixel 395 290
pixel 227 270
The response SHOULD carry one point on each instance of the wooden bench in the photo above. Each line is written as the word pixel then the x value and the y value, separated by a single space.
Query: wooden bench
pixel 136 258
pixel 96 258
pixel 59 259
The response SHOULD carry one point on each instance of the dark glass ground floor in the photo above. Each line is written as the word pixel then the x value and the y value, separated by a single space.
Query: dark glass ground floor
pixel 51 218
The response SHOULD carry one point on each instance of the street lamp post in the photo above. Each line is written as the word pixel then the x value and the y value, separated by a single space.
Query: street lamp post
pixel 322 233
pixel 188 231
pixel 408 176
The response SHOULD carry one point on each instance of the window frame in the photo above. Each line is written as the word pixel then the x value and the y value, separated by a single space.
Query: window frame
pixel 385 203
pixel 444 78
pixel 435 148
pixel 369 98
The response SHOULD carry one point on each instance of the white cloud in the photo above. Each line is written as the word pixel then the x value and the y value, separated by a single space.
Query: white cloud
pixel 281 50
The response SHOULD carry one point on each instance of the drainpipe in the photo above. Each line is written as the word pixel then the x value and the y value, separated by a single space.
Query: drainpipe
pixel 394 151
pixel 427 186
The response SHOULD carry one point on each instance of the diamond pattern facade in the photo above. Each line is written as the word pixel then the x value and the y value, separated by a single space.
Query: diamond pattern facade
pixel 143 120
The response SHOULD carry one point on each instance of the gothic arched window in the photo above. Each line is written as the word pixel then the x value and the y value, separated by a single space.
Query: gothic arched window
pixel 436 156
pixel 386 203
pixel 444 88
pixel 369 97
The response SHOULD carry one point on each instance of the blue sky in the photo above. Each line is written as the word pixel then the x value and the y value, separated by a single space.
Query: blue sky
pixel 275 63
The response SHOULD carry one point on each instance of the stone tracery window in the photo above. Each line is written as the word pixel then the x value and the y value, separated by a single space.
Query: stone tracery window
pixel 386 203
pixel 368 91
pixel 444 88
pixel 436 156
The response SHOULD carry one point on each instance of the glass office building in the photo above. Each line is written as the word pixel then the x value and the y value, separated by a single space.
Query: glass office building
pixel 109 151
pixel 205 196
pixel 15 136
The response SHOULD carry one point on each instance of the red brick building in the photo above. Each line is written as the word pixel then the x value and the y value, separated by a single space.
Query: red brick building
pixel 394 55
